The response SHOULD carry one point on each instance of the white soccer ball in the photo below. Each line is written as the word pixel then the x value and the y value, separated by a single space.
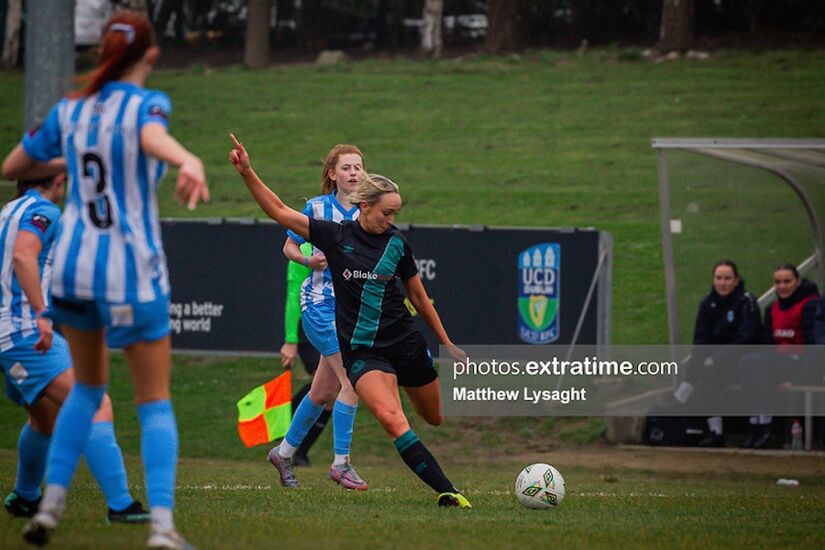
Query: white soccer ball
pixel 540 486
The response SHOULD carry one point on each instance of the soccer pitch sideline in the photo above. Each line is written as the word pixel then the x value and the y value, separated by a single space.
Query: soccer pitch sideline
pixel 234 504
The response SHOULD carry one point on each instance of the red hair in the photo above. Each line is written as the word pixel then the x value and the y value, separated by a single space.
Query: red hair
pixel 328 184
pixel 125 39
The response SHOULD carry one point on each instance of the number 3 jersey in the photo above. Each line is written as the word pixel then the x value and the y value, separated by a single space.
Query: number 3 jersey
pixel 369 309
pixel 110 247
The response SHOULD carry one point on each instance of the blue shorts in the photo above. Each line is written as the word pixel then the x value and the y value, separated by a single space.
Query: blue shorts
pixel 318 322
pixel 28 372
pixel 125 323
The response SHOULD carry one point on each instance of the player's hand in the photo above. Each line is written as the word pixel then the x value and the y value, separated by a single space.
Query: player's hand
pixel 46 330
pixel 457 354
pixel 288 353
pixel 239 157
pixel 191 186
pixel 317 262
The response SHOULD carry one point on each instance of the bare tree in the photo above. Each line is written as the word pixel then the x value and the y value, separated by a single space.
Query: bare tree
pixel 431 41
pixel 501 29
pixel 752 11
pixel 256 51
pixel 676 30
pixel 11 42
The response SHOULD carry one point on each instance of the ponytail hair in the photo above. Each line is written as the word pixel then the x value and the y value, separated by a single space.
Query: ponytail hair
pixel 328 184
pixel 126 37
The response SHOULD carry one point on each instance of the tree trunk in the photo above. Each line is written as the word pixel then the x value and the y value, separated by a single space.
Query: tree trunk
pixel 137 5
pixel 11 41
pixel 753 15
pixel 433 15
pixel 312 20
pixel 676 31
pixel 256 51
pixel 501 26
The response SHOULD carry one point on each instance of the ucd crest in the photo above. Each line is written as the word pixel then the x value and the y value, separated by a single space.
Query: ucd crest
pixel 538 300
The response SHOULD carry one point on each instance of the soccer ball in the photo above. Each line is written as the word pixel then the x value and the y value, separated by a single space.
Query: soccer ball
pixel 540 486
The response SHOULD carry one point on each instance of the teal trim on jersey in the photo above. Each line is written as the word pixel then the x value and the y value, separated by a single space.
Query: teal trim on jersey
pixel 372 296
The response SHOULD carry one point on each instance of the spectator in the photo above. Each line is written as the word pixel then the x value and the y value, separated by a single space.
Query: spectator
pixel 727 316
pixel 789 324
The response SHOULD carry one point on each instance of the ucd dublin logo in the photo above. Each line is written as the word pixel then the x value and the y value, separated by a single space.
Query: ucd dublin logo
pixel 538 298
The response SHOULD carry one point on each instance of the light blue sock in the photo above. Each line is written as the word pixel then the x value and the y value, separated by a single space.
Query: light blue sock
pixel 159 450
pixel 343 419
pixel 71 432
pixel 302 420
pixel 32 451
pixel 105 461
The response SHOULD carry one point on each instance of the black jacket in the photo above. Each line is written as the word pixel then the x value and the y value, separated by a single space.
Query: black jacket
pixel 820 323
pixel 730 320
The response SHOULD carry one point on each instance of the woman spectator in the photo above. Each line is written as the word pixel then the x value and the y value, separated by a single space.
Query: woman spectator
pixel 789 324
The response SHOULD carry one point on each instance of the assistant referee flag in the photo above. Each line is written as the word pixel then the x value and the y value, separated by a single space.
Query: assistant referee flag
pixel 265 412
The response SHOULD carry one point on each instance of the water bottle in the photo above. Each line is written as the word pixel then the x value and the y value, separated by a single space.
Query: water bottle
pixel 796 435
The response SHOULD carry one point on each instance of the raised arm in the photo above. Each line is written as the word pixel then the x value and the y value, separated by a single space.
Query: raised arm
pixel 191 185
pixel 269 202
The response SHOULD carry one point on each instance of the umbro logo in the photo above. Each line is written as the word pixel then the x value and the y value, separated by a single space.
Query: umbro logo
pixel 347 274
pixel 348 249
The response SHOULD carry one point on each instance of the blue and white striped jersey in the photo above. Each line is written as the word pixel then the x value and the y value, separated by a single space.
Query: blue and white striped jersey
pixel 110 247
pixel 33 213
pixel 317 287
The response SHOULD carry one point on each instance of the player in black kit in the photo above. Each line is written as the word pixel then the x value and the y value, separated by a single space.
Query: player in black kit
pixel 381 348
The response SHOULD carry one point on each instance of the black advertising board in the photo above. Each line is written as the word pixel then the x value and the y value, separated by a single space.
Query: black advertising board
pixel 489 285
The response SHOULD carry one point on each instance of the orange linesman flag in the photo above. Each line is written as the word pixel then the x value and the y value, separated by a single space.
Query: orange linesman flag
pixel 265 412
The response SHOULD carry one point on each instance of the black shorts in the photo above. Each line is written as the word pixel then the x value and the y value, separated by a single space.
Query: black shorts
pixel 409 360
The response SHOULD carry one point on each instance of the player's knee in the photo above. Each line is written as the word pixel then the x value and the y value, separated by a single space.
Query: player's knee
pixel 392 419
pixel 323 395
pixel 43 423
pixel 347 395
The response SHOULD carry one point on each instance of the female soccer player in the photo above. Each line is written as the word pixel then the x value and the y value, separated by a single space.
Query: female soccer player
pixel 380 347
pixel 110 282
pixel 35 361
pixel 342 169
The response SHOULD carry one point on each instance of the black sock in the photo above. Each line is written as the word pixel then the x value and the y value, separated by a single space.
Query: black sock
pixel 422 462
pixel 313 433
pixel 299 396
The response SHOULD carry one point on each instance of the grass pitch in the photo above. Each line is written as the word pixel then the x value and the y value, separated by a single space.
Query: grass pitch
pixel 232 504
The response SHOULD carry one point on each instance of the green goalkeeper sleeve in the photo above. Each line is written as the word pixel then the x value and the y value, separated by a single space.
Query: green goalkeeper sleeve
pixel 295 275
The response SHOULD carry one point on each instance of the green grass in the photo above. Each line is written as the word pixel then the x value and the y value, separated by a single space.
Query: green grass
pixel 550 140
pixel 227 504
